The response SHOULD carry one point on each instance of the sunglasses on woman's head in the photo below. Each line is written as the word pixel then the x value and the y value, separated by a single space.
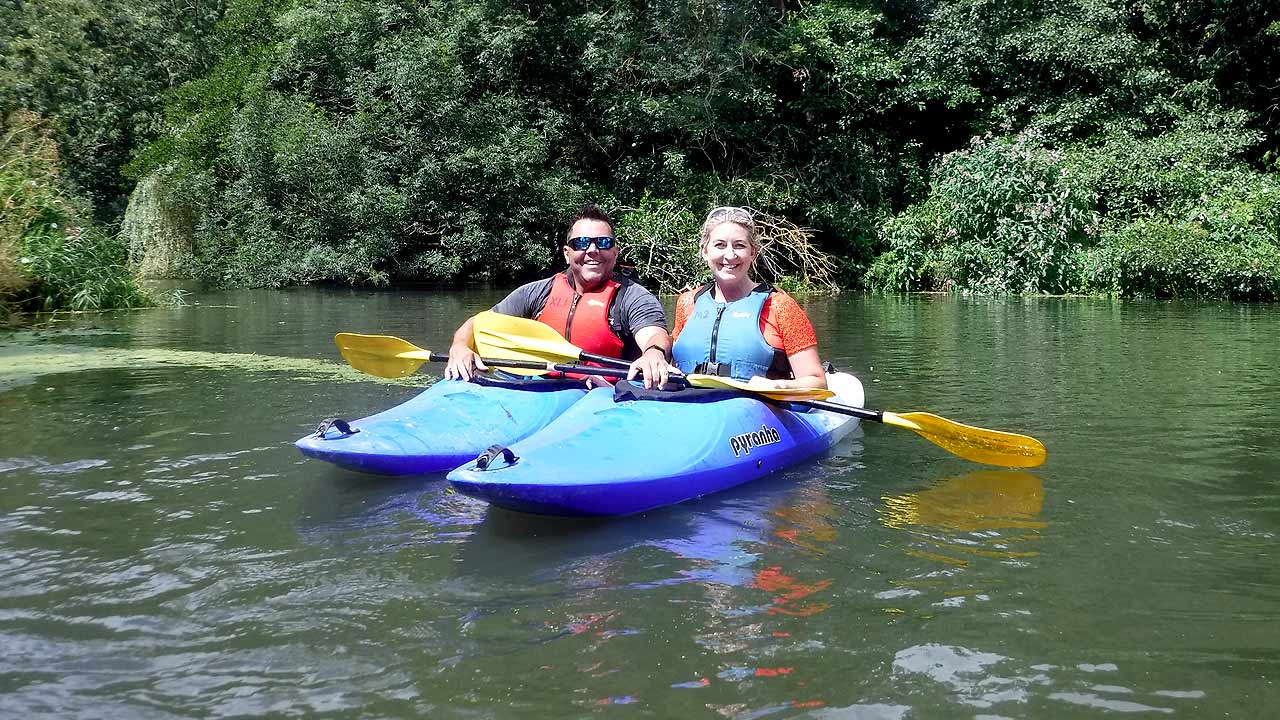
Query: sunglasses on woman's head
pixel 584 242
pixel 732 214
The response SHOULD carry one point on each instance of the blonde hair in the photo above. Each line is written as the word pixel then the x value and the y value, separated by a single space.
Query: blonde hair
pixel 740 216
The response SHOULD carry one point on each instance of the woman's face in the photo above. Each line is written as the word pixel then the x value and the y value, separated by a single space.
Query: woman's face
pixel 729 253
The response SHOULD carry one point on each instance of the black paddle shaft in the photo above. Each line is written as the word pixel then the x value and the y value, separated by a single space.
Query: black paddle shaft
pixel 532 365
pixel 865 414
pixel 873 415
pixel 603 360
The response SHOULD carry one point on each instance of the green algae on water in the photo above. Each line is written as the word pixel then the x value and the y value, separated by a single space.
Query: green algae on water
pixel 21 364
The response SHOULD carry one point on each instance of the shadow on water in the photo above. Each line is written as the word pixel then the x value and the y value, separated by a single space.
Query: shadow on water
pixel 343 506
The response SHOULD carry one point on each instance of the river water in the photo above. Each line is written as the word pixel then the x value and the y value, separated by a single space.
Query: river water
pixel 166 553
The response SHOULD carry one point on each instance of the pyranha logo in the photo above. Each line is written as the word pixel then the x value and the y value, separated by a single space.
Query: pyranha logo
pixel 742 444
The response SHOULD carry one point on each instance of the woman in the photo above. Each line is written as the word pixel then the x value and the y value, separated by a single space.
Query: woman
pixel 734 326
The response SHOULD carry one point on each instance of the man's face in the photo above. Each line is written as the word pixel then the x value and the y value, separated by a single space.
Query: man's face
pixel 590 268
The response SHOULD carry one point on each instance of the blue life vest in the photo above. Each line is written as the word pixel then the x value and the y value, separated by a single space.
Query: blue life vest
pixel 725 339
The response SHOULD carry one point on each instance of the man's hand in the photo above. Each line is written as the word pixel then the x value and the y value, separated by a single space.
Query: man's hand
pixel 463 363
pixel 652 365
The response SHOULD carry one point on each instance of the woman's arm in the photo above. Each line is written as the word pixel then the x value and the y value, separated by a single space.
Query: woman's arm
pixel 785 325
pixel 806 366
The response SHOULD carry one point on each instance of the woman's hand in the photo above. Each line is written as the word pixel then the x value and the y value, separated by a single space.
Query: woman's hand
pixel 805 366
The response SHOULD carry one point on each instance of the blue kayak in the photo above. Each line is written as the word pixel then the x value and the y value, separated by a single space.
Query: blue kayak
pixel 443 427
pixel 605 457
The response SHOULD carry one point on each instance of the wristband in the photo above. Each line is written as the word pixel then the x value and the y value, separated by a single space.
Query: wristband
pixel 665 355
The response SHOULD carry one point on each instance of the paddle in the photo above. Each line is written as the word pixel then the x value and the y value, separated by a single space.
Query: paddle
pixel 523 339
pixel 505 336
pixel 390 357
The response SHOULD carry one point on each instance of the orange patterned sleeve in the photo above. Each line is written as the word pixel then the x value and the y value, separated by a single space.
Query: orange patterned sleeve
pixel 784 324
pixel 684 306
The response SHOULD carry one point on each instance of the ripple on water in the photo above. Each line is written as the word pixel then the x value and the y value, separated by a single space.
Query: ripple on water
pixel 967 675
pixel 44 467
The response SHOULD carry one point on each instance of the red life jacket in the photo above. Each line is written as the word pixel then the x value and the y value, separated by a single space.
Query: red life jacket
pixel 583 318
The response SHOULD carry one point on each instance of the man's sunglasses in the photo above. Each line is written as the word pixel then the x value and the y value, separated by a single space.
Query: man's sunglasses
pixel 582 243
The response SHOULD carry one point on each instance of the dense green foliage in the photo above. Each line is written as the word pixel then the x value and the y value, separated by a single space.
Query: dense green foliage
pixel 99 69
pixel 1110 163
pixel 50 257
pixel 990 146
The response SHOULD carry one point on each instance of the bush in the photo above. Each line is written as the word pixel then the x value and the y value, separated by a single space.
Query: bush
pixel 1165 258
pixel 1134 176
pixel 98 71
pixel 1226 247
pixel 356 142
pixel 50 256
pixel 1001 217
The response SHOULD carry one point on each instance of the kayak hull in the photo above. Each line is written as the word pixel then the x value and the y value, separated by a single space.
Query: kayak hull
pixel 443 427
pixel 603 457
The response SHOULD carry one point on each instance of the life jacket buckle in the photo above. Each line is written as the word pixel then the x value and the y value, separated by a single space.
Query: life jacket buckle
pixel 718 369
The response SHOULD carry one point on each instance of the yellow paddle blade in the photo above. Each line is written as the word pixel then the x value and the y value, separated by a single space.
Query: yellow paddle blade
pixel 513 338
pixel 381 355
pixel 785 394
pixel 990 447
pixel 497 344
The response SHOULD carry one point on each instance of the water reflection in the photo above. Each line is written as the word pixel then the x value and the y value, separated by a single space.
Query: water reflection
pixel 983 500
pixel 711 533
pixel 807 524
pixel 730 579
pixel 985 514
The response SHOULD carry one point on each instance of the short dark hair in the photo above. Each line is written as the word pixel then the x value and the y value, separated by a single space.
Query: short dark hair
pixel 590 211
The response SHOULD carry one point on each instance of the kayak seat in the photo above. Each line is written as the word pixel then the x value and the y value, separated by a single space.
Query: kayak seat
pixel 500 379
pixel 630 391
pixel 625 390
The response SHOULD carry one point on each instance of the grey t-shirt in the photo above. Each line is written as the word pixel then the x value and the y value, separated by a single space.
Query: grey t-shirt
pixel 634 308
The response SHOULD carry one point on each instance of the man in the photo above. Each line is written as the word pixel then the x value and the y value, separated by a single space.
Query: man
pixel 591 306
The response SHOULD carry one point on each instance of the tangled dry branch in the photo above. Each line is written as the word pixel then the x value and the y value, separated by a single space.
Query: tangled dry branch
pixel 661 240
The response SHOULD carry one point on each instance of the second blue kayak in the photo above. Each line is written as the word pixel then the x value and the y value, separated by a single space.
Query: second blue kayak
pixel 446 425
pixel 603 457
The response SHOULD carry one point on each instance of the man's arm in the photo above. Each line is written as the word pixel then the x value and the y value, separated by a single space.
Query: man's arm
pixel 652 364
pixel 525 301
pixel 647 323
